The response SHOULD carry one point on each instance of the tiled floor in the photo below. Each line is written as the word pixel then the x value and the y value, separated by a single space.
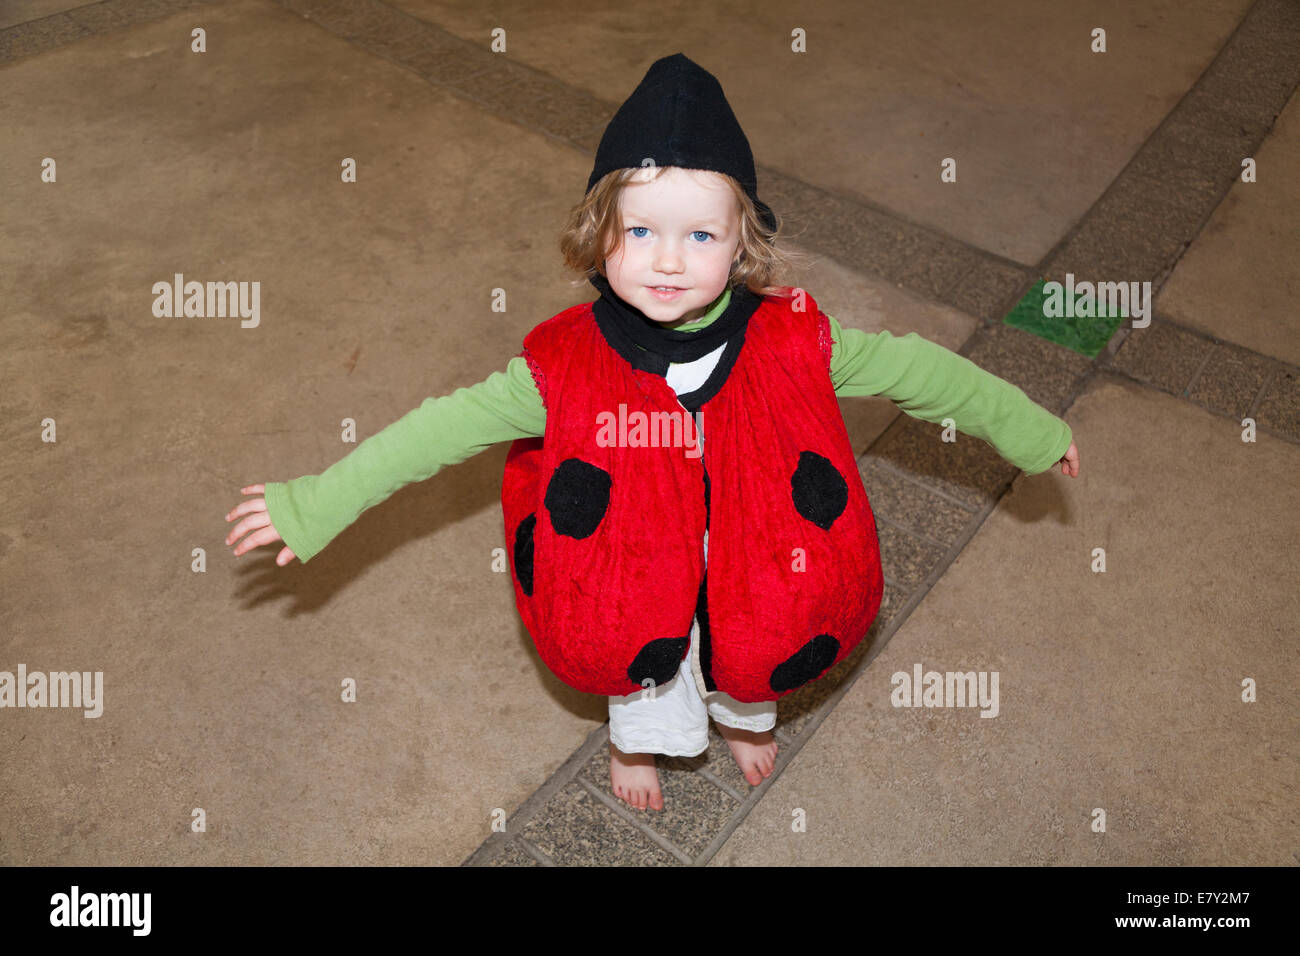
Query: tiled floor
pixel 931 498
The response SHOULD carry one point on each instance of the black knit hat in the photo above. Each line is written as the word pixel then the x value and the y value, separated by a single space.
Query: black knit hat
pixel 679 116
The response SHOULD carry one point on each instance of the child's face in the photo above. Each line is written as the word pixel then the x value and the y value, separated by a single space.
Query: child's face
pixel 681 230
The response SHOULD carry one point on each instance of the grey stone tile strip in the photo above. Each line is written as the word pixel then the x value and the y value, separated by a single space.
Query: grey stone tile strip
pixel 79 23
pixel 1219 377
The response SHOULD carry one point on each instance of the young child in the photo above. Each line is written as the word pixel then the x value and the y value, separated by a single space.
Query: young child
pixel 608 528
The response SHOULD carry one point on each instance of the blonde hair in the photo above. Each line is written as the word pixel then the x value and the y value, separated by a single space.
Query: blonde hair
pixel 594 231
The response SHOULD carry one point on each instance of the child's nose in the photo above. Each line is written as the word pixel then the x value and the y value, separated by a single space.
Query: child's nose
pixel 667 258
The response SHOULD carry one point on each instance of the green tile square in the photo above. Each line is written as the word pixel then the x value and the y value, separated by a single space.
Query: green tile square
pixel 1086 335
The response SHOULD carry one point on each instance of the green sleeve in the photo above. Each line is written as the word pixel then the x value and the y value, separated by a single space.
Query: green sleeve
pixel 311 511
pixel 932 383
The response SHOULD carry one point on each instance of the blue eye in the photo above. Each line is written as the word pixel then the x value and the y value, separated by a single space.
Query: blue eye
pixel 640 231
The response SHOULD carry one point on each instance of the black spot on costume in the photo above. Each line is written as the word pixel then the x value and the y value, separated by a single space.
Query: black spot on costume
pixel 576 497
pixel 818 491
pixel 806 663
pixel 658 660
pixel 524 553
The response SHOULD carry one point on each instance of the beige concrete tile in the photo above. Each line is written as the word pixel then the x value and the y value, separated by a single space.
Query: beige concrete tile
pixel 1118 690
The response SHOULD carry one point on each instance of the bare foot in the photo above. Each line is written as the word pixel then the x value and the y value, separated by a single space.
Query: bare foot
pixel 634 779
pixel 754 750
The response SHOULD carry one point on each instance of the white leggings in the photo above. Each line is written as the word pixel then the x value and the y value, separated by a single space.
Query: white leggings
pixel 675 721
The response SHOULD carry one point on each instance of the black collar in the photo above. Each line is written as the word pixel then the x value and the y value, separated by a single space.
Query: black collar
pixel 626 327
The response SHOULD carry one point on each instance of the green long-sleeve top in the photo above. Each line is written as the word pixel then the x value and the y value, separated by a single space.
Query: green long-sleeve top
pixel 923 378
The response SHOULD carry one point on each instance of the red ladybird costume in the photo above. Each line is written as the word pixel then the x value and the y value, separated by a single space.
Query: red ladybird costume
pixel 606 542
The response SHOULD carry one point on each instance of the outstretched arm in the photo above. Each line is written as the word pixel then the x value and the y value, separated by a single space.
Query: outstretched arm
pixel 933 383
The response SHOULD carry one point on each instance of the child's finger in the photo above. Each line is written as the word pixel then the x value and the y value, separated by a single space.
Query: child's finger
pixel 245 507
pixel 252 523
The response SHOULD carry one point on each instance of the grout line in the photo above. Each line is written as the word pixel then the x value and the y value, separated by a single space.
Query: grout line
pixel 721 784
pixel 783 758
pixel 1106 363
pixel 1271 377
pixel 1216 412
pixel 1263 357
pixel 534 851
pixel 626 814
pixel 1164 319
pixel 1210 354
pixel 923 538
pixel 896 585
pixel 906 476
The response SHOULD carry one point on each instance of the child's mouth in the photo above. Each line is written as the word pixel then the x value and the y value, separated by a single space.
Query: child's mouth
pixel 665 293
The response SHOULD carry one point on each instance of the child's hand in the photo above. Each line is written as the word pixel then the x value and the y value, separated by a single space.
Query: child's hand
pixel 259 519
pixel 1070 462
